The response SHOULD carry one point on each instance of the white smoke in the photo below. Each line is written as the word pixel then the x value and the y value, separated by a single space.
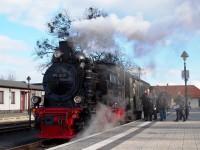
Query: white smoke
pixel 100 122
pixel 100 34
pixel 187 14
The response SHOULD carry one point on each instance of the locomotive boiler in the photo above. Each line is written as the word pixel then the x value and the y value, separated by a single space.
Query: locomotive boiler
pixel 74 85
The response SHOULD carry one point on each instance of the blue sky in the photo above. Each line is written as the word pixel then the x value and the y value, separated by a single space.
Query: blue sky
pixel 152 34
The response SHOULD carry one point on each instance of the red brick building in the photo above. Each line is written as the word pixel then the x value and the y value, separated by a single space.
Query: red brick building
pixel 173 90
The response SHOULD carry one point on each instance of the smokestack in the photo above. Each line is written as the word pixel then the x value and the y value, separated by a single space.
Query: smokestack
pixel 66 48
pixel 65 45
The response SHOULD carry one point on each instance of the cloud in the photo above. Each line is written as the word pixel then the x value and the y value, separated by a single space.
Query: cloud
pixel 161 76
pixel 8 44
pixel 12 60
pixel 196 83
pixel 188 14
pixel 18 65
pixel 147 23
pixel 145 33
pixel 21 67
pixel 34 13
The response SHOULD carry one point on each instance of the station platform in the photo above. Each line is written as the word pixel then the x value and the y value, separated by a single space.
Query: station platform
pixel 14 117
pixel 144 135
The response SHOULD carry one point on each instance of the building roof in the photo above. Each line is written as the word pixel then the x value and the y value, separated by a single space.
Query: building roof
pixel 174 90
pixel 19 85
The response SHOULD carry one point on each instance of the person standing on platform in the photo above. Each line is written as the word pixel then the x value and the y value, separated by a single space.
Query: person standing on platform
pixel 162 105
pixel 180 110
pixel 144 99
pixel 176 108
pixel 153 100
pixel 149 106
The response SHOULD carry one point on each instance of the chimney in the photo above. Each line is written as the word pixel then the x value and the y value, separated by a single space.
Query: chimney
pixel 66 48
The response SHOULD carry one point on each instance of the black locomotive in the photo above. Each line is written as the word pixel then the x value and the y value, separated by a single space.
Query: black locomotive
pixel 74 85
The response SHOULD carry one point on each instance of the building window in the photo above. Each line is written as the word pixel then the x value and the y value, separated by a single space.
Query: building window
pixel 1 97
pixel 12 97
pixel 199 102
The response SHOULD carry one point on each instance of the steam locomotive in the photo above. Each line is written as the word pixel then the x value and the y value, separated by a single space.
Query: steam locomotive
pixel 74 85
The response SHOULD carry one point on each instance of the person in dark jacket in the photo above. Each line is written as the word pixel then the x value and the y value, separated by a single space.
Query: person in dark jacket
pixel 153 100
pixel 144 99
pixel 162 105
pixel 147 106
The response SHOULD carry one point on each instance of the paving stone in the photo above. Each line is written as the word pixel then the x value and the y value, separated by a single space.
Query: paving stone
pixel 165 135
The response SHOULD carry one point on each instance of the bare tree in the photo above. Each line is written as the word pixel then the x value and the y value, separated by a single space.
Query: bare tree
pixel 93 12
pixel 60 29
pixel 1 77
pixel 10 76
pixel 60 26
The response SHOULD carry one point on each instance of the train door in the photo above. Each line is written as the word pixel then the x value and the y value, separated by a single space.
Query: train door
pixel 134 103
pixel 22 100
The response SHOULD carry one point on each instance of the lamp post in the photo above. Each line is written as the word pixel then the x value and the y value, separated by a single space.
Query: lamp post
pixel 124 96
pixel 185 75
pixel 29 103
pixel 139 72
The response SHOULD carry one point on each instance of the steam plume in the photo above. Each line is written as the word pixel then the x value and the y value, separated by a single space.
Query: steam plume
pixel 100 122
pixel 101 33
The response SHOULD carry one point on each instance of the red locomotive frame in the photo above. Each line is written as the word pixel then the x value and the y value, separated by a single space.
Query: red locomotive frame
pixel 61 127
pixel 58 123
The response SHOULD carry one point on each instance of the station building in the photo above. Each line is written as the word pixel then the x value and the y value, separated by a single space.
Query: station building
pixel 15 95
pixel 174 90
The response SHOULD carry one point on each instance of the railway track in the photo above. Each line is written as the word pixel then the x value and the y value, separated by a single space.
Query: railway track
pixel 39 145
pixel 30 146
pixel 10 127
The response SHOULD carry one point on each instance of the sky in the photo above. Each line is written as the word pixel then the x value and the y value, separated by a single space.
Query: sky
pixel 152 34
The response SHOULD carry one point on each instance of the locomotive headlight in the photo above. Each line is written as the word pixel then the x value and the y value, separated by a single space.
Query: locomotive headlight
pixel 36 100
pixel 82 65
pixel 57 54
pixel 80 56
pixel 77 99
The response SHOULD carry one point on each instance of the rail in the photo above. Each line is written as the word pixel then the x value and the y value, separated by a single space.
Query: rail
pixel 30 146
pixel 39 145
pixel 10 127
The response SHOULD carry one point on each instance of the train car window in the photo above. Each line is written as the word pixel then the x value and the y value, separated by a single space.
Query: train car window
pixel 113 78
pixel 120 93
pixel 128 106
pixel 115 92
pixel 130 80
pixel 118 82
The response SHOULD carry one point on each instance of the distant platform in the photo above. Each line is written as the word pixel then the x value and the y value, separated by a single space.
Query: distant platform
pixel 14 117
